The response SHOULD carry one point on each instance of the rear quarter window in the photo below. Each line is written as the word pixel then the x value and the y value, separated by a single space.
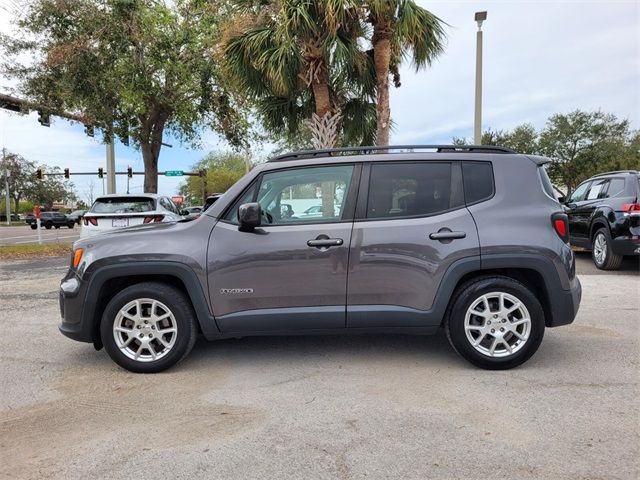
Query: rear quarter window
pixel 547 186
pixel 478 181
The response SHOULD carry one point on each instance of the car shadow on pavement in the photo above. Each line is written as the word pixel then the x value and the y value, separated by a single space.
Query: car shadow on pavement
pixel 585 265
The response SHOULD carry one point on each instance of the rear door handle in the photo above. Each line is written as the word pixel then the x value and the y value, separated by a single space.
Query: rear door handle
pixel 447 235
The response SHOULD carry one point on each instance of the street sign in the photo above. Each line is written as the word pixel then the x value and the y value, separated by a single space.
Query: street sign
pixel 173 173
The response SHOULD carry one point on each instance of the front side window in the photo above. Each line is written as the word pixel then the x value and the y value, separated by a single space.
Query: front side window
pixel 580 192
pixel 300 195
pixel 409 189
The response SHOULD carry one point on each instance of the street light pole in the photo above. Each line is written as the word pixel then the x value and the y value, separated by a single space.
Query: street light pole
pixel 477 124
pixel 111 167
pixel 6 186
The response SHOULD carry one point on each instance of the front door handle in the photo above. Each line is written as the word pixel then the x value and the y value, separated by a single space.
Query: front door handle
pixel 446 234
pixel 323 241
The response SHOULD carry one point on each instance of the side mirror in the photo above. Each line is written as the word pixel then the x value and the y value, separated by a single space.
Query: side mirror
pixel 562 199
pixel 184 212
pixel 249 216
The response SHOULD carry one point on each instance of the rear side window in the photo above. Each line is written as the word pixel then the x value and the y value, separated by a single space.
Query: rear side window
pixel 478 181
pixel 547 186
pixel 409 189
pixel 123 205
pixel 616 187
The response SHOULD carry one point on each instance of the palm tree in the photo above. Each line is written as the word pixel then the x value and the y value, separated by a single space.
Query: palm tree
pixel 401 29
pixel 301 63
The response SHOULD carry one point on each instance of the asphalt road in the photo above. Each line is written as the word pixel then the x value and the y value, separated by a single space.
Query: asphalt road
pixel 320 407
pixel 23 235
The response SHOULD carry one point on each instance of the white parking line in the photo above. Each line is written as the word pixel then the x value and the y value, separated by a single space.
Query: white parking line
pixel 50 239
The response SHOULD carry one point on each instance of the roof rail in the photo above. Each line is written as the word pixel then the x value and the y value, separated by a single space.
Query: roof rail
pixel 388 149
pixel 616 171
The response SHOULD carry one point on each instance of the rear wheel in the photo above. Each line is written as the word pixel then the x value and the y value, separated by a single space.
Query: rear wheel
pixel 48 225
pixel 34 226
pixel 71 224
pixel 148 327
pixel 602 252
pixel 495 323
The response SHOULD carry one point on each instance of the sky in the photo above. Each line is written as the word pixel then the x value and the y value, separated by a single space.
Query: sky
pixel 540 58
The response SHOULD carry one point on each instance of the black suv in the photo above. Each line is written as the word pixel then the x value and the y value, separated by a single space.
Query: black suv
pixel 49 220
pixel 604 217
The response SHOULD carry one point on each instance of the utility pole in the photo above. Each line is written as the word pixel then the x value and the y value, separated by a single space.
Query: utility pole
pixel 477 124
pixel 6 186
pixel 111 167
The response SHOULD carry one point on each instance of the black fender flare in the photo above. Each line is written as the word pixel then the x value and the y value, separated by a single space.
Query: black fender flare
pixel 182 272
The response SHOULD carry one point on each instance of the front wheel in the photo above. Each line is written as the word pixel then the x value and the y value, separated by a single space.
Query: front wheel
pixel 33 226
pixel 496 323
pixel 602 251
pixel 71 224
pixel 48 225
pixel 148 327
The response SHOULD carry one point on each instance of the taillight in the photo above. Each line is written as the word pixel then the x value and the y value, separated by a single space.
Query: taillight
pixel 630 207
pixel 560 223
pixel 91 220
pixel 153 218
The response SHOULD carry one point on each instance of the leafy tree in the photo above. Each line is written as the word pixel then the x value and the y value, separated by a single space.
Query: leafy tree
pixel 132 68
pixel 401 29
pixel 223 170
pixel 21 178
pixel 523 139
pixel 51 189
pixel 301 62
pixel 582 144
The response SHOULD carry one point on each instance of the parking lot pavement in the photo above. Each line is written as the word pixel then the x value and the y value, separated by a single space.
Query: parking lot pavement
pixel 24 234
pixel 320 407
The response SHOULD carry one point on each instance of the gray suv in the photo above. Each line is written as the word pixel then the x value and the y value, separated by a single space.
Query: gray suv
pixel 409 240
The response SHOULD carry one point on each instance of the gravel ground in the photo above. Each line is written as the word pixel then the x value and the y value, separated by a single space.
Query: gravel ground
pixel 320 407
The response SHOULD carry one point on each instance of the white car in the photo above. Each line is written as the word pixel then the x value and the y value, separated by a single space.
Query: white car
pixel 110 212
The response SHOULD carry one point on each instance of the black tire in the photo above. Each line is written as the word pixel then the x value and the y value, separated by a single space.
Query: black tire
pixel 48 225
pixel 611 259
pixel 469 293
pixel 175 301
pixel 71 224
pixel 33 227
pixel 56 227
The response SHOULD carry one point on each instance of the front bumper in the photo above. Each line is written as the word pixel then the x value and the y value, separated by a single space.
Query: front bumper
pixel 565 304
pixel 72 297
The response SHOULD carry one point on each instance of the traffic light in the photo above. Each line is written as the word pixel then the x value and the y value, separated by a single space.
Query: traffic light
pixel 66 173
pixel 88 130
pixel 100 172
pixel 129 171
pixel 43 119
pixel 39 174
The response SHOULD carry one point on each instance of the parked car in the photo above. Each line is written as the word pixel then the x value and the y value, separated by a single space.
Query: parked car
pixel 192 212
pixel 113 212
pixel 76 216
pixel 50 220
pixel 469 239
pixel 604 217
pixel 210 200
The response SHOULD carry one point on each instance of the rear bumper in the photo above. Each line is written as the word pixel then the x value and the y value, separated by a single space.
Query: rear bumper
pixel 565 304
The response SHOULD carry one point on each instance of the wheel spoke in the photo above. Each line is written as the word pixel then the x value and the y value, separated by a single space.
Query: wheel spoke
pixel 151 350
pixel 479 339
pixel 127 342
pixel 128 331
pixel 507 346
pixel 164 343
pixel 167 330
pixel 493 346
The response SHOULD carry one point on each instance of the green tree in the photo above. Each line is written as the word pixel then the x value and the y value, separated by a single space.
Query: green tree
pixel 301 63
pixel 401 29
pixel 132 68
pixel 582 144
pixel 522 139
pixel 223 170
pixel 50 190
pixel 21 178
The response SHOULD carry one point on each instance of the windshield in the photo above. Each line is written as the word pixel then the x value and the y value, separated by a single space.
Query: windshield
pixel 123 205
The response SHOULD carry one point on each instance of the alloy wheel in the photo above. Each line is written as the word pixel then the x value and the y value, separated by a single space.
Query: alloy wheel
pixel 600 248
pixel 497 324
pixel 145 330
